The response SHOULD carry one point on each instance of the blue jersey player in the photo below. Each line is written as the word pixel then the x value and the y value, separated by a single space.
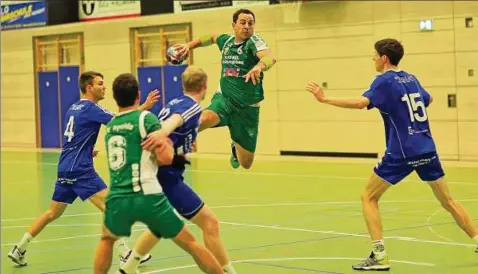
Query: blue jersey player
pixel 402 102
pixel 76 176
pixel 180 121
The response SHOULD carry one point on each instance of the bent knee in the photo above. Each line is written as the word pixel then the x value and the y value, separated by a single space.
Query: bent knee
pixel 209 224
pixel 368 197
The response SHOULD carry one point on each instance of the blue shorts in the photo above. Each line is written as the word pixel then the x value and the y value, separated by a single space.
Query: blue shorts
pixel 68 189
pixel 186 202
pixel 427 166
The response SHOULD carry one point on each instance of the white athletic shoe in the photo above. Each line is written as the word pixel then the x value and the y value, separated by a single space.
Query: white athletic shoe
pixel 124 257
pixel 18 257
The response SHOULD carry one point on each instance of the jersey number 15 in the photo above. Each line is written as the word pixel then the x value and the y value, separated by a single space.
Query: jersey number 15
pixel 414 106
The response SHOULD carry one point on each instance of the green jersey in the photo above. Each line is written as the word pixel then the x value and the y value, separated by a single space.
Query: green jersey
pixel 132 169
pixel 237 61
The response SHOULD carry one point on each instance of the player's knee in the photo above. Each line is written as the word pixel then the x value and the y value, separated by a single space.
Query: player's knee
pixel 368 197
pixel 447 204
pixel 211 226
pixel 53 215
pixel 107 237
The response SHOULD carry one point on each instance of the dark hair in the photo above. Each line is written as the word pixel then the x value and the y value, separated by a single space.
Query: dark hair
pixel 245 11
pixel 86 78
pixel 125 90
pixel 390 48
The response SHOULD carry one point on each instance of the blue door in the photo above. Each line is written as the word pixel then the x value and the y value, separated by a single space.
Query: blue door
pixel 150 78
pixel 172 82
pixel 49 114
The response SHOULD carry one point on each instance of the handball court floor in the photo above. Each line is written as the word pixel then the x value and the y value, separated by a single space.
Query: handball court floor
pixel 285 215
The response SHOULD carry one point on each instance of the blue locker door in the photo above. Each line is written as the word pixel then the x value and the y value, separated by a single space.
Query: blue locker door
pixel 150 78
pixel 49 113
pixel 69 90
pixel 172 82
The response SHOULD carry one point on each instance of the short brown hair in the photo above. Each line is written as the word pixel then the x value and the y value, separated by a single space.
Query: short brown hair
pixel 236 14
pixel 86 78
pixel 194 79
pixel 125 90
pixel 390 48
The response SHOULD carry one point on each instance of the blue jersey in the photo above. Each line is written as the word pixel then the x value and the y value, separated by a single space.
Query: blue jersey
pixel 83 121
pixel 184 136
pixel 402 102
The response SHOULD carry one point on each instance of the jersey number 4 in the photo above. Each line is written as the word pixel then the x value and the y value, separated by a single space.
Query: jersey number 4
pixel 414 106
pixel 69 128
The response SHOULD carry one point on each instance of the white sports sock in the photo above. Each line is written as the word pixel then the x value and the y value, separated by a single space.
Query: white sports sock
pixel 476 239
pixel 132 263
pixel 378 249
pixel 122 246
pixel 22 246
pixel 229 269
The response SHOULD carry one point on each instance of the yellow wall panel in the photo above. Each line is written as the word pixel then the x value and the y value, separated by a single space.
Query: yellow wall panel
pixel 338 73
pixel 18 132
pixel 428 42
pixel 332 136
pixel 463 35
pixel 17 86
pixel 425 9
pixel 468 141
pixel 465 62
pixel 465 8
pixel 301 106
pixel 304 34
pixel 467 104
pixel 437 70
pixel 387 30
pixel 13 109
pixel 439 25
pixel 438 109
pixel 386 11
pixel 325 48
pixel 445 135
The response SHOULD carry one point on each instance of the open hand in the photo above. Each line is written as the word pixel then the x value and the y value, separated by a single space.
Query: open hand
pixel 254 75
pixel 316 90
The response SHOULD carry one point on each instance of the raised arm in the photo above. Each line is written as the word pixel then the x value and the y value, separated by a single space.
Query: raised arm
pixel 354 103
pixel 152 98
pixel 202 41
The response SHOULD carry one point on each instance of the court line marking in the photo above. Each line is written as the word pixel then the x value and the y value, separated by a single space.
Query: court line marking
pixel 288 259
pixel 363 235
pixel 430 227
pixel 277 227
pixel 266 205
pixel 268 174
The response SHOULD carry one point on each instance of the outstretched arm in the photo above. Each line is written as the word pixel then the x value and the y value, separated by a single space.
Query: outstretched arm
pixel 152 98
pixel 354 103
pixel 202 41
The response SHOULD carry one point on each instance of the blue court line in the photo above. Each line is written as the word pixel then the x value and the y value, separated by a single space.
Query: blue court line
pixel 293 268
pixel 268 245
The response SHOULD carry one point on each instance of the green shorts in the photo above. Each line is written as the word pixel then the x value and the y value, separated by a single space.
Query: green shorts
pixel 243 121
pixel 152 210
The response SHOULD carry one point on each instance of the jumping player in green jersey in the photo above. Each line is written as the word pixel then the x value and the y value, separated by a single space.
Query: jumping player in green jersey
pixel 135 194
pixel 236 104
